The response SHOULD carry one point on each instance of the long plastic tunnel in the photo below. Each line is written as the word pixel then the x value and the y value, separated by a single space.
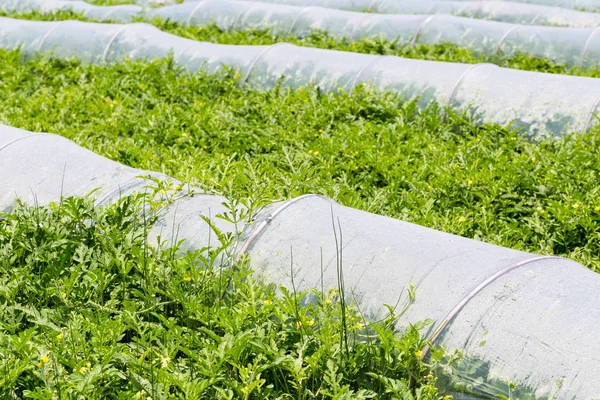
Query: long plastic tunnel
pixel 536 103
pixel 575 4
pixel 506 11
pixel 569 46
pixel 198 12
pixel 517 317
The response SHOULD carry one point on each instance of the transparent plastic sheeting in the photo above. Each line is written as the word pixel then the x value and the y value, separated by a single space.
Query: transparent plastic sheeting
pixel 506 11
pixel 537 103
pixel 516 316
pixel 575 4
pixel 251 14
pixel 570 46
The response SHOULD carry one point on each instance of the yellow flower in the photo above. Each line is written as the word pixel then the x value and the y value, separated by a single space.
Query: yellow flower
pixel 139 394
pixel 576 205
pixel 44 359
pixel 310 322
pixel 267 302
pixel 358 325
pixel 60 336
pixel 187 278
pixel 327 300
pixel 82 370
pixel 419 353
pixel 462 219
pixel 39 365
pixel 470 182
pixel 597 208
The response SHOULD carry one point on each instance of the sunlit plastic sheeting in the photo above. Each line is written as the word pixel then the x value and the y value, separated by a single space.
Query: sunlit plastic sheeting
pixel 540 104
pixel 574 4
pixel 570 46
pixel 122 13
pixel 141 2
pixel 528 14
pixel 58 167
pixel 502 308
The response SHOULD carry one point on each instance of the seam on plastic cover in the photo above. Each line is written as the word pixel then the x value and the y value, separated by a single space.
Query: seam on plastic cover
pixel 587 46
pixel 189 20
pixel 21 138
pixel 110 42
pixel 460 79
pixel 458 308
pixel 532 22
pixel 362 21
pixel 591 115
pixel 257 59
pixel 355 80
pixel 110 12
pixel 427 20
pixel 241 15
pixel 45 37
pixel 268 220
pixel 178 56
pixel 503 38
pixel 372 5
pixel 293 25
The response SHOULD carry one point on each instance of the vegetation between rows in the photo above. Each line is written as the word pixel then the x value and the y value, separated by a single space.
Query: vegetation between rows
pixel 370 150
pixel 90 312
pixel 320 39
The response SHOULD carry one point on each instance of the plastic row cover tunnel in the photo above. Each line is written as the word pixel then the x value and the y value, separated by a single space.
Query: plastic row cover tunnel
pixel 537 103
pixel 570 46
pixel 576 4
pixel 506 11
pixel 517 317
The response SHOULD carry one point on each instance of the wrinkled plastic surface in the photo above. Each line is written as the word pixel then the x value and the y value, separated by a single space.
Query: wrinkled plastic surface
pixel 505 11
pixel 242 14
pixel 57 167
pixel 535 324
pixel 575 4
pixel 537 103
pixel 569 46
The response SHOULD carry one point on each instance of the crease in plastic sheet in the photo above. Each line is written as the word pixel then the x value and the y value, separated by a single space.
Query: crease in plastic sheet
pixel 506 11
pixel 536 104
pixel 569 46
pixel 531 323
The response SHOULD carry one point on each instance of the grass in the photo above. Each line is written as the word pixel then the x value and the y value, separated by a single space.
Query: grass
pixel 112 318
pixel 368 151
pixel 90 312
pixel 319 39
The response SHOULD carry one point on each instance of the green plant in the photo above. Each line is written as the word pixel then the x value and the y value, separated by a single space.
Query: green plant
pixel 90 311
pixel 321 39
pixel 368 150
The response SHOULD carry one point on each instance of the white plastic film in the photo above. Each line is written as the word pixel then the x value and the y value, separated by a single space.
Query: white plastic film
pixel 568 46
pixel 505 11
pixel 537 103
pixel 501 307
